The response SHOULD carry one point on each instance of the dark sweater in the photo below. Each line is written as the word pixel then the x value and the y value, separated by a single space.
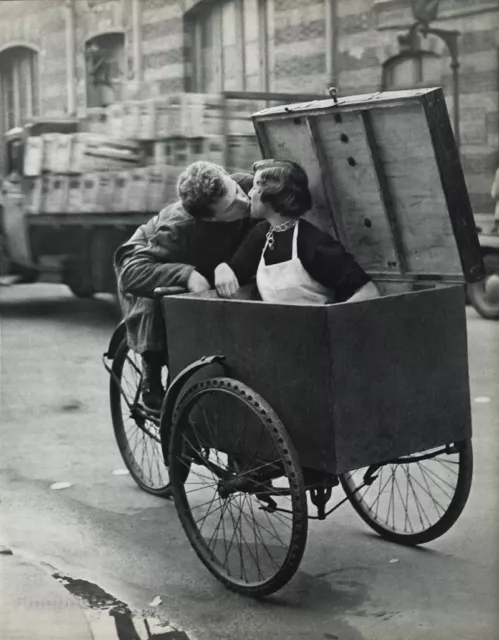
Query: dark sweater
pixel 165 251
pixel 325 259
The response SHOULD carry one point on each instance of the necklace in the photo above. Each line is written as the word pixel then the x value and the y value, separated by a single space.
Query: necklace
pixel 279 228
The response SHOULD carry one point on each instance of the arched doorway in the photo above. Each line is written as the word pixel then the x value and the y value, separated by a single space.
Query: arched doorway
pixel 19 86
pixel 105 67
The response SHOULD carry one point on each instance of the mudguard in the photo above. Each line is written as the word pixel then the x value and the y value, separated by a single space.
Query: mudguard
pixel 116 339
pixel 173 393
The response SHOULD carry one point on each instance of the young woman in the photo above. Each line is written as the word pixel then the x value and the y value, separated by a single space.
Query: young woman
pixel 294 262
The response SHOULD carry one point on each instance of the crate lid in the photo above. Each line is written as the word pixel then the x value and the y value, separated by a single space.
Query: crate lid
pixel 386 180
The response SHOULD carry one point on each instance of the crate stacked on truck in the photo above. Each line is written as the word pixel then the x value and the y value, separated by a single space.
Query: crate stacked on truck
pixel 127 157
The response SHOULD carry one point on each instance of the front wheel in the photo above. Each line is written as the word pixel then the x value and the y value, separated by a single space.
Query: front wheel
pixel 414 499
pixel 243 505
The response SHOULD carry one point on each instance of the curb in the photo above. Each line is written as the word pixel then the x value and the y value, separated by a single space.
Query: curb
pixel 35 606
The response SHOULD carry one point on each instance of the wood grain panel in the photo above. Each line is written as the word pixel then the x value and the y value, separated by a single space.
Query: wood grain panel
pixel 356 191
pixel 399 375
pixel 291 140
pixel 408 160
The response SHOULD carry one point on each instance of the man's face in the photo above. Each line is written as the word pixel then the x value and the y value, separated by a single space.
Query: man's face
pixel 234 205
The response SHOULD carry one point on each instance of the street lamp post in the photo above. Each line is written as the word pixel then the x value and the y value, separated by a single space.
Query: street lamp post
pixel 451 40
pixel 71 57
pixel 424 12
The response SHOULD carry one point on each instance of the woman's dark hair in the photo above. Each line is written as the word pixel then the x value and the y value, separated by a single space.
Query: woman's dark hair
pixel 284 186
pixel 244 180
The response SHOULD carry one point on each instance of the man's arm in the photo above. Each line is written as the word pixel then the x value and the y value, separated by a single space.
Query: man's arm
pixel 142 268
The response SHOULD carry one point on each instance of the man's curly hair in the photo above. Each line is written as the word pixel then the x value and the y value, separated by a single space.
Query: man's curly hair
pixel 200 186
pixel 284 187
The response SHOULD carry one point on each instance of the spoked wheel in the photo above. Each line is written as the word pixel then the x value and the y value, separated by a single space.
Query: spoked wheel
pixel 243 505
pixel 136 430
pixel 413 499
pixel 484 295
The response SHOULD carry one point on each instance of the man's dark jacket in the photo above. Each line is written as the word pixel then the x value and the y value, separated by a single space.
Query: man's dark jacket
pixel 164 252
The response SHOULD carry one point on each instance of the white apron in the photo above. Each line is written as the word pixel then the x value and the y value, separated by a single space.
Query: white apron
pixel 289 282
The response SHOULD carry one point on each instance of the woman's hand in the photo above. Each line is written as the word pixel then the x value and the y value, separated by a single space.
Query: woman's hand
pixel 226 282
pixel 368 291
pixel 197 283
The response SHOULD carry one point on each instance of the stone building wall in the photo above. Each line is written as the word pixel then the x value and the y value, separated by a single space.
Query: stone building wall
pixel 297 46
pixel 40 26
pixel 368 37
pixel 303 55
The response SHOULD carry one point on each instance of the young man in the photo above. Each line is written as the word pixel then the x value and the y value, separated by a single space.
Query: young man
pixel 181 246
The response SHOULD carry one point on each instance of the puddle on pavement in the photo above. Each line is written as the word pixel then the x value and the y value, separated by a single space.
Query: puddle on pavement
pixel 111 619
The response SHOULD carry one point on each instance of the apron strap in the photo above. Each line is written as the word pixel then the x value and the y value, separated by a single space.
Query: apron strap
pixel 294 253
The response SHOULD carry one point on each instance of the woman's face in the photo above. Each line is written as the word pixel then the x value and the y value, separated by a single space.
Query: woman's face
pixel 259 209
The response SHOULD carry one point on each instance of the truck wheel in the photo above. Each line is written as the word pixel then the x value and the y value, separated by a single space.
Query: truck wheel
pixel 75 276
pixel 81 293
pixel 484 295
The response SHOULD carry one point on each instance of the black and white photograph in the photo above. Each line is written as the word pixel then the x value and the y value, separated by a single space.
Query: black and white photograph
pixel 249 319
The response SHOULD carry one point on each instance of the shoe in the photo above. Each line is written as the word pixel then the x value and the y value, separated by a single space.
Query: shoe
pixel 152 390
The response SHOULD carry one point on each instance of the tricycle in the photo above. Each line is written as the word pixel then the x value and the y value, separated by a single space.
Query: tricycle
pixel 269 409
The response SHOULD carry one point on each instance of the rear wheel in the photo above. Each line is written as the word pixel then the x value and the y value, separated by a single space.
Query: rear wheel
pixel 243 505
pixel 135 429
pixel 484 295
pixel 414 499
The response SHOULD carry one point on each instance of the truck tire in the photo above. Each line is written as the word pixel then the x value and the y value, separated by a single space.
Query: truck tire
pixel 484 295
pixel 76 278
pixel 81 293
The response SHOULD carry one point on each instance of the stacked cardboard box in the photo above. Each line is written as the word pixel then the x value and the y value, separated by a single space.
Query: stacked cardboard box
pixel 242 152
pixel 95 121
pixel 162 186
pixel 33 195
pixel 56 193
pixel 75 194
pixel 74 172
pixel 188 115
pixel 99 153
pixel 89 191
pixel 33 156
pixel 101 168
pixel 178 151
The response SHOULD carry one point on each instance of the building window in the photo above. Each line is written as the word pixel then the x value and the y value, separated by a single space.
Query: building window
pixel 105 68
pixel 229 41
pixel 412 70
pixel 18 86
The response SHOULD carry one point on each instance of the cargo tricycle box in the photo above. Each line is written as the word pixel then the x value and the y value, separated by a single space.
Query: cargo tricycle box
pixel 360 383
pixel 354 384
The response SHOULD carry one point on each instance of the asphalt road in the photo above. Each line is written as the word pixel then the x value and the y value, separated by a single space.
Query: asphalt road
pixel 55 427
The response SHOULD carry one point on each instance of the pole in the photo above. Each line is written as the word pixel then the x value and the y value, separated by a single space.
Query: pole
pixel 331 42
pixel 455 83
pixel 71 57
pixel 137 40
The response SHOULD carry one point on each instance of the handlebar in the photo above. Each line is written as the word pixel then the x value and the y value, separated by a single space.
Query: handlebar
pixel 159 292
